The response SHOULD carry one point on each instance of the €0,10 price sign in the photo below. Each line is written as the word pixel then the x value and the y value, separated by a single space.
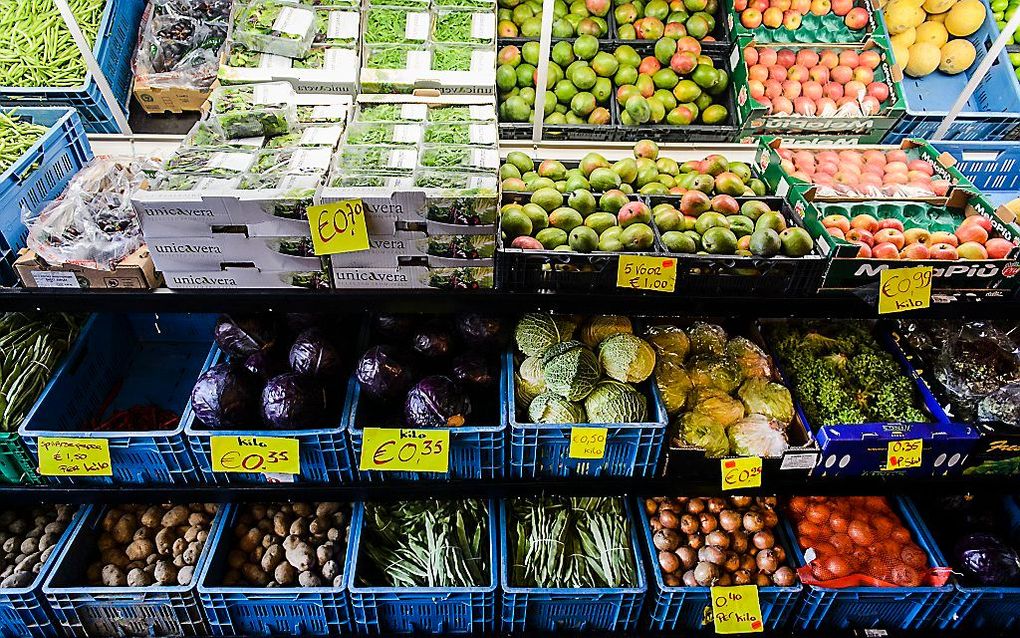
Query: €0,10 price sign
pixel 905 454
pixel 255 454
pixel 638 272
pixel 74 457
pixel 405 450
pixel 338 227
pixel 741 472
pixel 902 289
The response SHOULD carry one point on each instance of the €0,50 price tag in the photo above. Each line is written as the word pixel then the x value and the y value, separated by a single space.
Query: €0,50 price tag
pixel 338 227
pixel 257 454
pixel 742 472
pixel 74 457
pixel 736 610
pixel 587 443
pixel 901 289
pixel 904 455
pixel 396 450
pixel 646 273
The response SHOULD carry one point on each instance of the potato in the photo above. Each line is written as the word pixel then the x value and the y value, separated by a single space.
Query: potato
pixel 185 574
pixel 285 574
pixel 165 541
pixel 124 530
pixel 176 516
pixel 254 575
pixel 272 557
pixel 138 578
pixel 152 517
pixel 250 540
pixel 140 549
pixel 301 557
pixel 165 573
pixel 113 576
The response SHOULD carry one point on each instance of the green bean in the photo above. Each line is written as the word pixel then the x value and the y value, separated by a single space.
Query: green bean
pixel 16 137
pixel 380 113
pixel 37 46
pixel 454 134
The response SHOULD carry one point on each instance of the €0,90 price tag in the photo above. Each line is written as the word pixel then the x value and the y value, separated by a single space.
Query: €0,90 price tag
pixel 736 610
pixel 588 443
pixel 904 454
pixel 902 289
pixel 396 450
pixel 74 457
pixel 338 227
pixel 741 472
pixel 637 272
pixel 256 454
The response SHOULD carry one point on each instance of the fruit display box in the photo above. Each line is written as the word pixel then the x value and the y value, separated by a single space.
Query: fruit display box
pixel 786 21
pixel 868 64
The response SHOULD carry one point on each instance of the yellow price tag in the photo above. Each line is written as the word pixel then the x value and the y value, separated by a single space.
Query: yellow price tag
pixel 638 272
pixel 903 455
pixel 338 227
pixel 588 443
pixel 257 454
pixel 736 610
pixel 901 289
pixel 397 450
pixel 74 457
pixel 741 472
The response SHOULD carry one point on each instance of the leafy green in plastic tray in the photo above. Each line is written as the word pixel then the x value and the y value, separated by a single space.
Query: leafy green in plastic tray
pixel 253 110
pixel 471 278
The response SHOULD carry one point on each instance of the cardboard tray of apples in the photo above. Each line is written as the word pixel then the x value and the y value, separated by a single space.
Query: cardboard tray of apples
pixel 793 21
pixel 817 89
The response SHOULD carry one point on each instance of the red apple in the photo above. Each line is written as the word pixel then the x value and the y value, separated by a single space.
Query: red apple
pixel 807 58
pixel 943 251
pixel 981 221
pixel 892 236
pixel 861 235
pixel 885 251
pixel 772 17
pixel 879 91
pixel 837 221
pixel 972 232
pixel 791 20
pixel 863 250
pixel 915 251
pixel 829 59
pixel 821 7
pixel 943 237
pixel 842 7
pixel 916 236
pixel 856 18
pixel 865 222
pixel 890 223
pixel 998 248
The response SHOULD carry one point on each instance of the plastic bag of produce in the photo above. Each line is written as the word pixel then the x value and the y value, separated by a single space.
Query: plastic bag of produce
pixel 180 43
pixel 1002 405
pixel 978 359
pixel 757 435
pixel 93 223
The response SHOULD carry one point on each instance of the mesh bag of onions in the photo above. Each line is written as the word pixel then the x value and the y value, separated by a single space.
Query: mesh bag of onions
pixel 859 541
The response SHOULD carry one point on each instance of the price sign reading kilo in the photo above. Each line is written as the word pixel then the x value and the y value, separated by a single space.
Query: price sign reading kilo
pixel 736 610
pixel 255 454
pixel 741 472
pixel 405 450
pixel 902 289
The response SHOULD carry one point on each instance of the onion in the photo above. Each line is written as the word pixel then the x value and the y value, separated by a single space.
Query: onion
pixel 666 540
pixel 668 519
pixel 784 577
pixel 741 501
pixel 724 580
pixel 753 522
pixel 716 505
pixel 717 538
pixel 762 580
pixel 712 555
pixel 688 556
pixel 741 577
pixel 696 506
pixel 689 524
pixel 764 539
pixel 767 561
pixel 668 562
pixel 707 522
pixel 706 574
pixel 732 562
pixel 671 580
pixel 689 580
pixel 651 506
pixel 696 541
pixel 739 542
pixel 729 520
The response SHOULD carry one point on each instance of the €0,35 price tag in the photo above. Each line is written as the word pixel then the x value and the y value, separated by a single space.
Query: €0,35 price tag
pixel 903 455
pixel 736 610
pixel 256 454
pixel 638 272
pixel 338 227
pixel 741 472
pixel 588 443
pixel 901 289
pixel 396 450
pixel 74 457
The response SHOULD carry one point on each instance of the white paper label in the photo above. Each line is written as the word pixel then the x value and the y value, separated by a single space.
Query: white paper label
pixel 343 25
pixel 798 461
pixel 237 162
pixel 340 60
pixel 254 142
pixel 483 26
pixel 309 160
pixel 403 158
pixel 294 20
pixel 321 136
pixel 406 133
pixel 289 182
pixel 419 60
pixel 482 112
pixel 414 112
pixel 417 26
pixel 55 279
pixel 485 158
pixel 483 134
pixel 483 61
pixel 478 182
pixel 329 113
pixel 274 93
pixel 271 61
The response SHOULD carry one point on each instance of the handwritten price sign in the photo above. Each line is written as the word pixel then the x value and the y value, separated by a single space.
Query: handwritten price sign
pixel 902 289
pixel 74 457
pixel 736 610
pixel 638 272
pixel 256 454
pixel 395 450
pixel 338 227
pixel 741 473
pixel 588 443
pixel 903 455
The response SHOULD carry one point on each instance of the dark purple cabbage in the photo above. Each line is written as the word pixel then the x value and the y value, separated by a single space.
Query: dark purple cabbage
pixel 432 342
pixel 475 370
pixel 225 396
pixel 986 560
pixel 292 402
pixel 242 335
pixel 314 356
pixel 436 402
pixel 264 364
pixel 382 373
pixel 482 331
pixel 393 327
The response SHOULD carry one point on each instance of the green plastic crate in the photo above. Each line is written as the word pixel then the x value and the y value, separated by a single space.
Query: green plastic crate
pixel 16 466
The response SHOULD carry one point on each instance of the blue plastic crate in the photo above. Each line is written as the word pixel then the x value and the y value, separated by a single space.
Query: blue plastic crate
pixel 993 167
pixel 476 451
pixel 85 611
pixel 114 50
pixel 23 610
pixel 421 610
pixel 543 449
pixel 689 608
pixel 991 113
pixel 870 607
pixel 40 174
pixel 8 276
pixel 325 454
pixel 261 611
pixel 146 360
pixel 534 609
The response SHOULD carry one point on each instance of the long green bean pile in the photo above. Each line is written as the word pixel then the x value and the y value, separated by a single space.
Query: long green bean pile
pixel 559 542
pixel 427 543
pixel 16 137
pixel 36 49
pixel 31 346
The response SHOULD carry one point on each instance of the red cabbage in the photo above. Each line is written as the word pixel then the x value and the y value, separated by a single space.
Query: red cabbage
pixel 475 370
pixel 436 402
pixel 393 327
pixel 482 331
pixel 313 355
pixel 242 335
pixel 432 342
pixel 264 364
pixel 225 396
pixel 292 402
pixel 382 373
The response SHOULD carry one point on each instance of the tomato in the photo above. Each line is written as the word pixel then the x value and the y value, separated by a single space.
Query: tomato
pixel 861 533
pixel 818 513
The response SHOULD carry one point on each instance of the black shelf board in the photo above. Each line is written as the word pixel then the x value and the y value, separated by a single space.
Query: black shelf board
pixel 860 304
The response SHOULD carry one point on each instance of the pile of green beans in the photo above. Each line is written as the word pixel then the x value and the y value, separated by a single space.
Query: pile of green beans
pixel 16 137
pixel 428 543
pixel 31 346
pixel 36 49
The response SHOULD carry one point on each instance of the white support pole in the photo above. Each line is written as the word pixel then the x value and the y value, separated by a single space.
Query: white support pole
pixel 93 66
pixel 544 46
pixel 986 63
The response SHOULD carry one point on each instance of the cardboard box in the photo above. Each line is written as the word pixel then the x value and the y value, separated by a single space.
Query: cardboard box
pixel 235 246
pixel 415 276
pixel 862 450
pixel 174 100
pixel 136 271
pixel 243 278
